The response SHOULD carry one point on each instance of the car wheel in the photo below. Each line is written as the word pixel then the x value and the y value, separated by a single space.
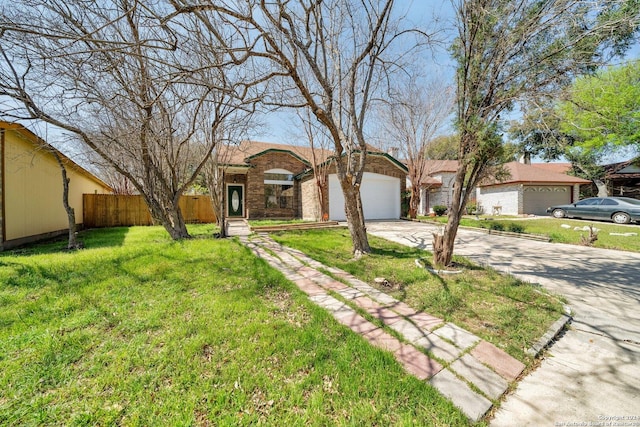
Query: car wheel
pixel 621 218
pixel 558 213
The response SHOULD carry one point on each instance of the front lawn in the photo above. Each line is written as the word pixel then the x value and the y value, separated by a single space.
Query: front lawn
pixel 140 330
pixel 503 310
pixel 553 229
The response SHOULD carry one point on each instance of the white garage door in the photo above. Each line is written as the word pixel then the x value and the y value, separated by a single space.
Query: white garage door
pixel 380 197
pixel 538 198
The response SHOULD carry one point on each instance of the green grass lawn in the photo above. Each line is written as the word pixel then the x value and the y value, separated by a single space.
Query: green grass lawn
pixel 139 330
pixel 505 311
pixel 553 229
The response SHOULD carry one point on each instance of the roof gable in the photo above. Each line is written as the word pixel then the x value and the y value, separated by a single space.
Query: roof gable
pixel 241 154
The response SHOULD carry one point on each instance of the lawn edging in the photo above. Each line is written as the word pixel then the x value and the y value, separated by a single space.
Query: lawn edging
pixel 296 226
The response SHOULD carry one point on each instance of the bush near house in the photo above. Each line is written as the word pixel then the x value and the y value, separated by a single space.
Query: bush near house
pixel 439 210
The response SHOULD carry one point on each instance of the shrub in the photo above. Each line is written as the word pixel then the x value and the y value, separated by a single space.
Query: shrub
pixel 439 210
pixel 498 226
pixel 515 228
pixel 471 208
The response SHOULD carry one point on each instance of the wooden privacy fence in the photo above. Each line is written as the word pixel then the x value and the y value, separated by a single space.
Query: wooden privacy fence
pixel 110 210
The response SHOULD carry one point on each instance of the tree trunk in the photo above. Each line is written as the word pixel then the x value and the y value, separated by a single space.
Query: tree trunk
pixel 217 200
pixel 73 242
pixel 603 191
pixel 414 202
pixel 320 192
pixel 355 218
pixel 443 244
pixel 169 215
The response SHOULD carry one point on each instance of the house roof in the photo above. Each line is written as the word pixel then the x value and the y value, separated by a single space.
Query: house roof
pixel 239 155
pixel 554 167
pixel 431 182
pixel 439 166
pixel 530 174
pixel 628 169
pixel 41 143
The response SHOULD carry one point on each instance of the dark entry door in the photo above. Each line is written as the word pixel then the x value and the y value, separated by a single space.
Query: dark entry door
pixel 235 201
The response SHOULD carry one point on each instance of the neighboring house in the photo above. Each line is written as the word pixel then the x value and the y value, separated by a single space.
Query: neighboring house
pixel 31 205
pixel 437 188
pixel 264 180
pixel 530 189
pixel 621 179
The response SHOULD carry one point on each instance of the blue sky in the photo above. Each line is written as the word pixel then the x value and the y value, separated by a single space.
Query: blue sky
pixel 280 128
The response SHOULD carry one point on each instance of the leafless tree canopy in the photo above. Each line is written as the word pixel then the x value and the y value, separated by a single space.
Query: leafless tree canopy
pixel 329 56
pixel 141 91
pixel 410 121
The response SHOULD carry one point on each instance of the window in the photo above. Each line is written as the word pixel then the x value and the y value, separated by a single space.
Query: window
pixel 609 202
pixel 589 202
pixel 278 189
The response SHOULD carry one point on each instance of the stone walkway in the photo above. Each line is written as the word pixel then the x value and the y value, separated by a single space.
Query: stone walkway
pixel 471 372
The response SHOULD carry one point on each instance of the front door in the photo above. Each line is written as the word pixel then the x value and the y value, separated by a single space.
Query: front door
pixel 235 200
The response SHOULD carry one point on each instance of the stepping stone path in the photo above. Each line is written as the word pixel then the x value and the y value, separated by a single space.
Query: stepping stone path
pixel 469 371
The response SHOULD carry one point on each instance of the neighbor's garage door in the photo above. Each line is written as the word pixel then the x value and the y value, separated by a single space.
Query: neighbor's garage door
pixel 380 197
pixel 538 198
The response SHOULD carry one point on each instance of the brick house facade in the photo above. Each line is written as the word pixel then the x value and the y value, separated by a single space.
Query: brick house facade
pixel 277 181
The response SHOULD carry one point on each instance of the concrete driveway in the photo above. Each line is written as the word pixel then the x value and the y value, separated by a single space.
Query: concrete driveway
pixel 591 375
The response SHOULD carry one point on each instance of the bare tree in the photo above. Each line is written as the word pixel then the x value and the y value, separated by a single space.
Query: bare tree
pixel 140 92
pixel 511 52
pixel 73 242
pixel 319 142
pixel 329 56
pixel 412 121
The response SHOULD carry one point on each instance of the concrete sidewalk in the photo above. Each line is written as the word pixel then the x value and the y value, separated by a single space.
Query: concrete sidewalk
pixel 449 357
pixel 591 375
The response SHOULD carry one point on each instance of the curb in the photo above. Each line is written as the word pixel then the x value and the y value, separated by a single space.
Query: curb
pixel 489 231
pixel 551 333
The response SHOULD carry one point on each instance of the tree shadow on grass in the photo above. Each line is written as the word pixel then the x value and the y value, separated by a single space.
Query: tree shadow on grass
pixel 92 239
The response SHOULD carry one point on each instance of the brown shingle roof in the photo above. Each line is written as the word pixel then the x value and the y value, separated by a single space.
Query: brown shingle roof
pixel 554 167
pixel 523 173
pixel 237 154
pixel 437 166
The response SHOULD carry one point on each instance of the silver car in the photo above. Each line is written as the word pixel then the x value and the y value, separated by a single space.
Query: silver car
pixel 620 210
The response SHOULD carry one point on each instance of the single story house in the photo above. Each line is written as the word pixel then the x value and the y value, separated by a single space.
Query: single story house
pixel 265 180
pixel 31 188
pixel 437 188
pixel 530 189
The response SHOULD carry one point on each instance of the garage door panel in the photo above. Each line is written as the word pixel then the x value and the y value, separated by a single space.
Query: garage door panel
pixel 538 198
pixel 380 197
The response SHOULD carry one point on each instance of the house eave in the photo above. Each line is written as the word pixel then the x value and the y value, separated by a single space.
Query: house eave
pixel 278 150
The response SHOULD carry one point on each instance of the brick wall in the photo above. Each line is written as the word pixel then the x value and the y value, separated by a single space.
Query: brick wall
pixel 255 198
